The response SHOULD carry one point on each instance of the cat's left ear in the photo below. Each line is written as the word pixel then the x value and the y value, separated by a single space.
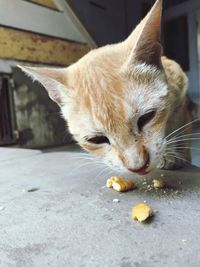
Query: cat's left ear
pixel 146 39
pixel 53 79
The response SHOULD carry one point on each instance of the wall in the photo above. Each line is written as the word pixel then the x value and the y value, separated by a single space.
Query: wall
pixel 189 8
pixel 28 29
pixel 39 120
pixel 37 33
pixel 198 41
pixel 110 21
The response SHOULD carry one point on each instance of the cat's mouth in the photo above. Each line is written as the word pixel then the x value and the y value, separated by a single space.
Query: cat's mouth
pixel 142 170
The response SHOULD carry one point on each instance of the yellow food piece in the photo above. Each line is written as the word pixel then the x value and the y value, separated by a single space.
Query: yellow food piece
pixel 159 183
pixel 141 212
pixel 109 183
pixel 120 184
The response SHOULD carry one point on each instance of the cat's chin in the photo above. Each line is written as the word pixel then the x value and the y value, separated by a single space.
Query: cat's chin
pixel 140 173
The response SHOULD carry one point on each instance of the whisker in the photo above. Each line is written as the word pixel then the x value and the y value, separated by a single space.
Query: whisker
pixel 177 153
pixel 185 135
pixel 183 131
pixel 83 155
pixel 84 164
pixel 171 149
pixel 94 169
pixel 181 147
pixel 87 164
pixel 101 172
pixel 92 162
pixel 88 159
pixel 181 140
pixel 175 156
pixel 106 175
pixel 77 157
pixel 182 127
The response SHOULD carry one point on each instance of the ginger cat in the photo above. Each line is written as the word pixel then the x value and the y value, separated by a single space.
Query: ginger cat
pixel 122 100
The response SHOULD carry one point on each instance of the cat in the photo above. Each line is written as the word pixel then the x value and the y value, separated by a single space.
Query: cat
pixel 123 101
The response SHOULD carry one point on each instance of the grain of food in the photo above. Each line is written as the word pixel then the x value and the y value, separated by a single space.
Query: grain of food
pixel 141 212
pixel 158 183
pixel 120 184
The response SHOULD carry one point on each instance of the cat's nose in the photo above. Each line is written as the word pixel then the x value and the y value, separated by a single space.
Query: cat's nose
pixel 142 170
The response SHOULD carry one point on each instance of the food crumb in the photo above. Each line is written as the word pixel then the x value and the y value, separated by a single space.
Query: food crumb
pixel 120 184
pixel 141 212
pixel 116 200
pixel 150 189
pixel 158 183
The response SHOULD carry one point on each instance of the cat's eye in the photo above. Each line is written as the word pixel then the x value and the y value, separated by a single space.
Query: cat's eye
pixel 99 139
pixel 146 118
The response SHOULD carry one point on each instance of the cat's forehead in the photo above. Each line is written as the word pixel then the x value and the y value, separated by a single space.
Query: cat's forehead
pixel 108 98
pixel 145 96
pixel 110 88
pixel 105 103
pixel 109 107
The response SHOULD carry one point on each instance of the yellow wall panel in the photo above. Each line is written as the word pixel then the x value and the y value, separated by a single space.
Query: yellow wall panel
pixel 26 46
pixel 48 3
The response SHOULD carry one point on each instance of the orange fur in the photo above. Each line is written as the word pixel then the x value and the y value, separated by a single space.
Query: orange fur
pixel 109 89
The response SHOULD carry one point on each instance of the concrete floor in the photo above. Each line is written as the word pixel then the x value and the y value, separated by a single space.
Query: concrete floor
pixel 69 219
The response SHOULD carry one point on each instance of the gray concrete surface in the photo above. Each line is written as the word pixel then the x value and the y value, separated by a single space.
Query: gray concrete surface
pixel 72 221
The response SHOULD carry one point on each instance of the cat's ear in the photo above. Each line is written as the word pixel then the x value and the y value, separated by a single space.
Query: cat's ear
pixel 53 79
pixel 145 39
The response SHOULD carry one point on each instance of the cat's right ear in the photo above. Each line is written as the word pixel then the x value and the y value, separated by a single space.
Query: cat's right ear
pixel 144 41
pixel 53 79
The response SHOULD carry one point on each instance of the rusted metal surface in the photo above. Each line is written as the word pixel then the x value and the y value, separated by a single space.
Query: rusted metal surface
pixel 47 3
pixel 26 46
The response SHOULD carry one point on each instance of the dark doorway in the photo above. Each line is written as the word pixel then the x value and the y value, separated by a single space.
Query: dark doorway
pixel 6 116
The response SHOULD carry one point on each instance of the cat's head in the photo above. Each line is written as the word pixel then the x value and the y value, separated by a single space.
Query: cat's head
pixel 115 99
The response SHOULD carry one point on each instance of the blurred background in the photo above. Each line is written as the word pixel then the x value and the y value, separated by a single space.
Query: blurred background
pixel 58 33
